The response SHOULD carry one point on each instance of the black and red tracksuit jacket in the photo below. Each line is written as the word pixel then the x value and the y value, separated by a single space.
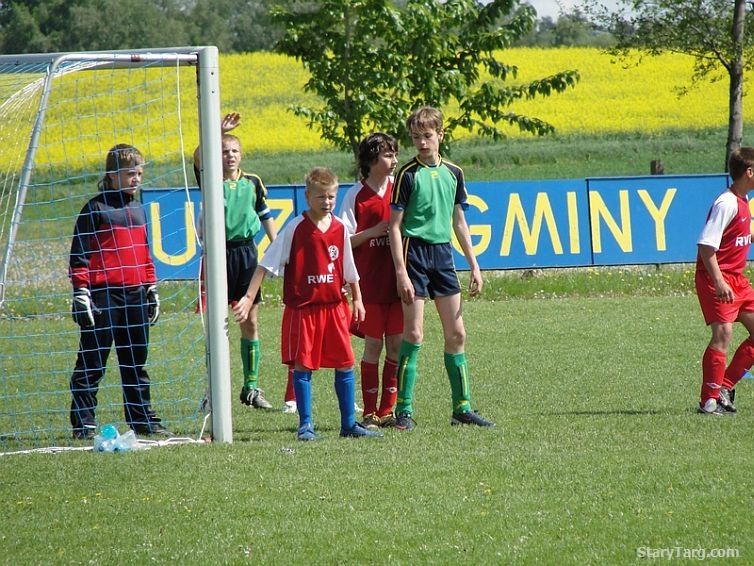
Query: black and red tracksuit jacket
pixel 110 246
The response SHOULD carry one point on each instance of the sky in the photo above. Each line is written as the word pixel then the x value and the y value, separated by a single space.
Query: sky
pixel 552 8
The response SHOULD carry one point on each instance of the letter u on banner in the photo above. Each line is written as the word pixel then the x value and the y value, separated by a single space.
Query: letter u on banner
pixel 190 245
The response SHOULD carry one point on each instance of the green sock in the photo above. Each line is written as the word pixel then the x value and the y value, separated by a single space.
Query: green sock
pixel 250 358
pixel 407 357
pixel 460 388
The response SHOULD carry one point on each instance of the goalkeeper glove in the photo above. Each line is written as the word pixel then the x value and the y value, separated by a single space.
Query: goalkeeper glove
pixel 82 309
pixel 153 305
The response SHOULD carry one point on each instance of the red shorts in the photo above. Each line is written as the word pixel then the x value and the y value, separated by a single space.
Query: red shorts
pixel 715 311
pixel 316 336
pixel 382 319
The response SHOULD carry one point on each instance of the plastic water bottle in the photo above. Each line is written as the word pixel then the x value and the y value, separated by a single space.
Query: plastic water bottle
pixel 106 439
pixel 126 441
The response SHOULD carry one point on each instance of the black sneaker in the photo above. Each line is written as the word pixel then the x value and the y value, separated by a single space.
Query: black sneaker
pixel 86 433
pixel 404 421
pixel 254 397
pixel 471 417
pixel 711 407
pixel 726 400
pixel 151 429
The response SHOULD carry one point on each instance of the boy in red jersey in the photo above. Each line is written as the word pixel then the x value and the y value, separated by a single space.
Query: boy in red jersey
pixel 115 296
pixel 725 294
pixel 365 212
pixel 313 253
pixel 427 208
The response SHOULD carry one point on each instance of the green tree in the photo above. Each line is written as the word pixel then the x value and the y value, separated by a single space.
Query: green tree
pixel 233 25
pixel 372 62
pixel 713 32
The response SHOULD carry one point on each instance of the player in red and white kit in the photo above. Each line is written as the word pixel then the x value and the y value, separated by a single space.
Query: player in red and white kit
pixel 365 212
pixel 725 293
pixel 313 253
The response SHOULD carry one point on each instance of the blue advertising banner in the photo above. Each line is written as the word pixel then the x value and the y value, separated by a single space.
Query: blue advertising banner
pixel 513 224
pixel 656 219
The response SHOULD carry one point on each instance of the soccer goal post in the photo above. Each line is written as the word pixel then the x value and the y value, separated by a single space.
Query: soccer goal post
pixel 59 116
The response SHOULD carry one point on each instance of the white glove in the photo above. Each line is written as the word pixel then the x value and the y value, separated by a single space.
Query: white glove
pixel 82 309
pixel 153 305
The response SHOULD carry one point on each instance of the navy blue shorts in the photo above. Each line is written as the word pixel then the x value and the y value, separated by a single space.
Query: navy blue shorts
pixel 430 268
pixel 240 263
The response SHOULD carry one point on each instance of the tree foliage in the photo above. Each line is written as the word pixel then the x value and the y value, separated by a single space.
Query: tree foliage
pixel 571 29
pixel 372 62
pixel 44 26
pixel 711 31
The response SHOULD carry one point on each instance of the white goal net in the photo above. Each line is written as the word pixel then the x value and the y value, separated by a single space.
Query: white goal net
pixel 59 116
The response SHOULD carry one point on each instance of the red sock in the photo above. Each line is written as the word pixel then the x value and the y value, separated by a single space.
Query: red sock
pixel 389 387
pixel 713 372
pixel 742 360
pixel 290 394
pixel 370 386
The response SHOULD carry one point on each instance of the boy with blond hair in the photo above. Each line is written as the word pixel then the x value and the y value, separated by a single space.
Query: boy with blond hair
pixel 246 212
pixel 313 254
pixel 427 207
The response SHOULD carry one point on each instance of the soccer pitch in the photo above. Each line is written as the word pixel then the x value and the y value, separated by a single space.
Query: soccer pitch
pixel 597 457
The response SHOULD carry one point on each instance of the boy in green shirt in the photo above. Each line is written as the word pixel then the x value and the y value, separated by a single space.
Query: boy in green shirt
pixel 246 212
pixel 427 207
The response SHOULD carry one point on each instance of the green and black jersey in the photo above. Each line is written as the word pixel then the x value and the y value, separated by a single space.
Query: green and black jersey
pixel 241 196
pixel 427 194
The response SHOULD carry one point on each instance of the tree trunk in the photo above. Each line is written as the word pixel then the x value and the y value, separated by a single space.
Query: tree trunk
pixel 735 93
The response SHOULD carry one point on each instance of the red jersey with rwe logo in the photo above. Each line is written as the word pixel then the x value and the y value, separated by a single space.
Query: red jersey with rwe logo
pixel 315 265
pixel 728 231
pixel 362 209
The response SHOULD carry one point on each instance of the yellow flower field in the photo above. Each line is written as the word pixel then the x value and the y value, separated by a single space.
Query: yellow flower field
pixel 610 97
pixel 90 110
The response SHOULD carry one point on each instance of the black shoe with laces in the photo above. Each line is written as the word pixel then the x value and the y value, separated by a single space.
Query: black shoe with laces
pixel 470 418
pixel 726 400
pixel 404 421
pixel 86 433
pixel 151 429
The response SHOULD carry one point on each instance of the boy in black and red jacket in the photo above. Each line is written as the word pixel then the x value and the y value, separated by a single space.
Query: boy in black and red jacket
pixel 114 296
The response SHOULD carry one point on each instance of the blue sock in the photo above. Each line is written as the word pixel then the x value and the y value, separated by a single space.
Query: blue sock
pixel 302 386
pixel 345 385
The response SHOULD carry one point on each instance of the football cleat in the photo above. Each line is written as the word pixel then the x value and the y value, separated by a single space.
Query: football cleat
pixel 725 400
pixel 371 421
pixel 387 421
pixel 710 407
pixel 405 421
pixel 254 397
pixel 151 429
pixel 290 407
pixel 306 433
pixel 86 433
pixel 360 431
pixel 470 418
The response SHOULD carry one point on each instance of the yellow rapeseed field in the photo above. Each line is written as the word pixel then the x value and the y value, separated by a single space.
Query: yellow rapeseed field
pixel 92 109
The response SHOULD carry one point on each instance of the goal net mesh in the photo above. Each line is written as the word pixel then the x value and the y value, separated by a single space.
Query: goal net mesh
pixel 79 109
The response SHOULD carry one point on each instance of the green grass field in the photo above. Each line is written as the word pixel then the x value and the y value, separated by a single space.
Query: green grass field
pixel 597 453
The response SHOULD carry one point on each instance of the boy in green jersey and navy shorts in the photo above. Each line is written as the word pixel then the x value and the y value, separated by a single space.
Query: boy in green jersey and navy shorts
pixel 426 208
pixel 246 212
